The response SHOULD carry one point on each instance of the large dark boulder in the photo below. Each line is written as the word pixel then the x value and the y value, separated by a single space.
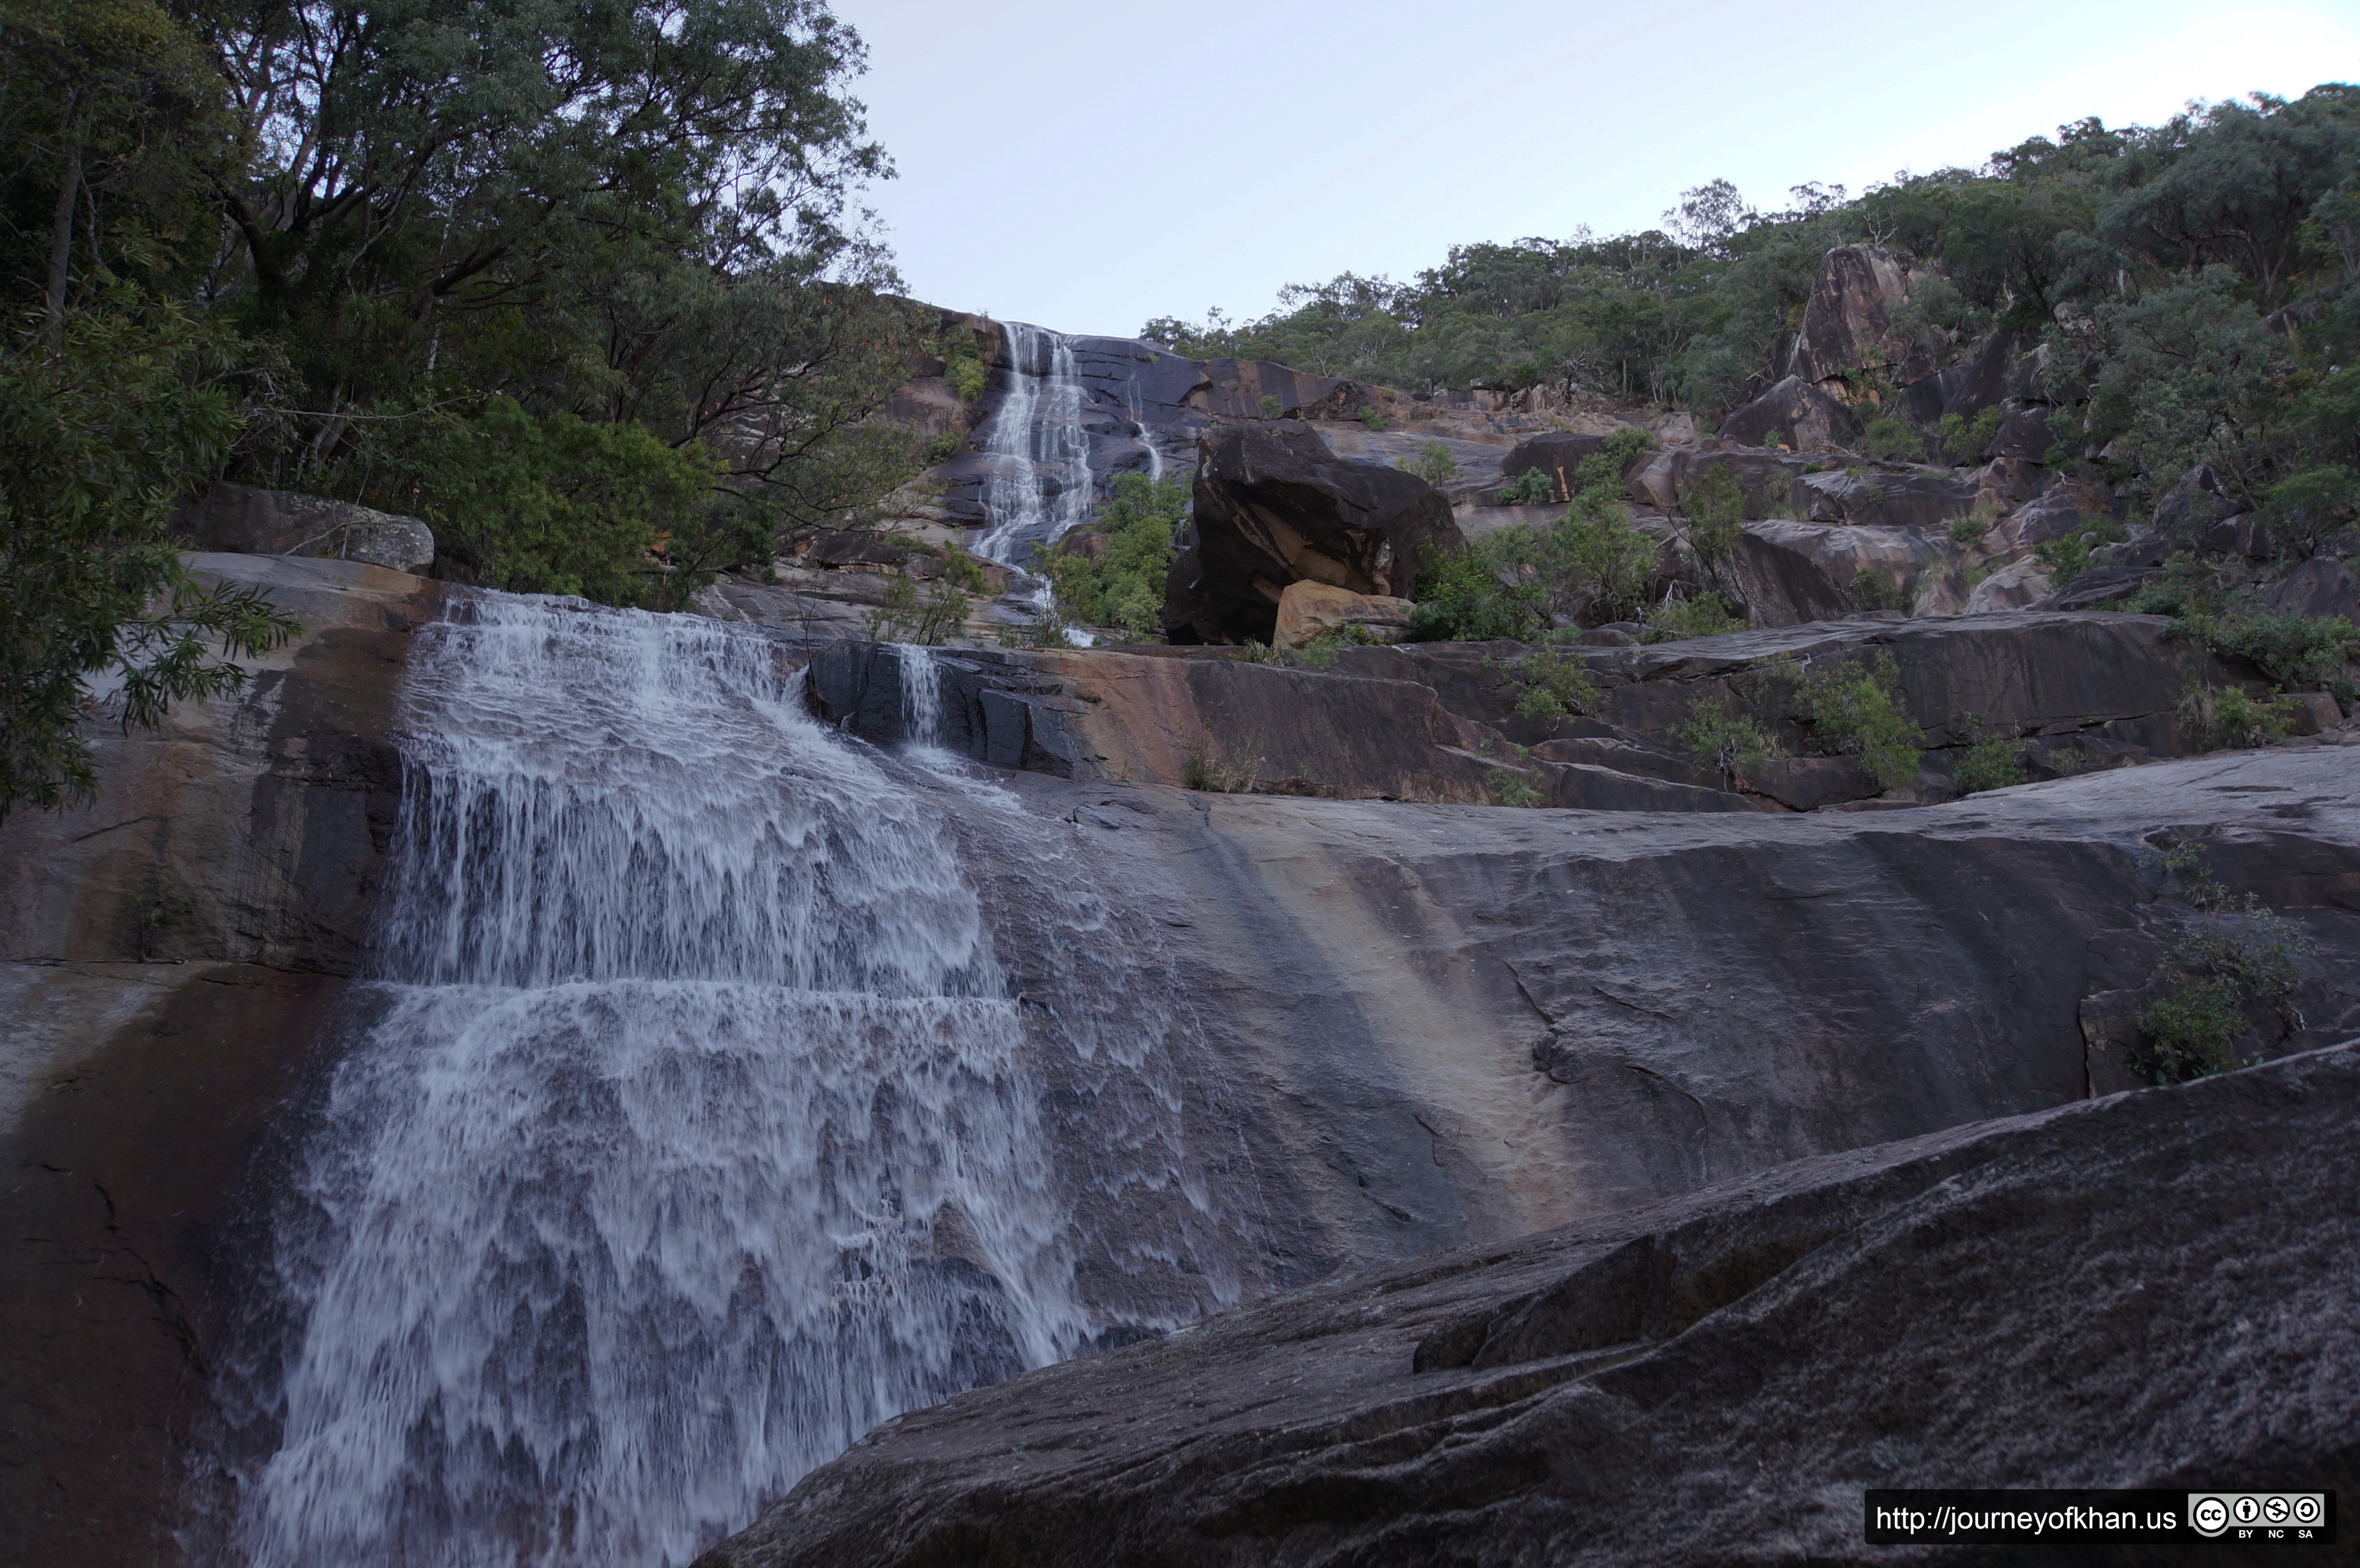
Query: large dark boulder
pixel 1274 505
pixel 1796 412
pixel 1968 387
pixel 2158 1289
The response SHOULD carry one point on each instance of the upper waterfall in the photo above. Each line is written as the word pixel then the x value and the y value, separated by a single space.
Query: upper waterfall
pixel 1058 435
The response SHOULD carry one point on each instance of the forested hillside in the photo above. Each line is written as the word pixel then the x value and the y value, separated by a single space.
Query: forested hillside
pixel 582 286
pixel 2193 278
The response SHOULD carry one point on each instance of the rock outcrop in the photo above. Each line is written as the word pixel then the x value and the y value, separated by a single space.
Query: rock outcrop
pixel 1274 505
pixel 2148 1291
pixel 1848 320
pixel 1440 721
pixel 1795 413
pixel 1308 609
pixel 242 520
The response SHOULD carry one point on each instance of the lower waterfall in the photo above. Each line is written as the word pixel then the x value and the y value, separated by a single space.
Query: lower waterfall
pixel 692 1127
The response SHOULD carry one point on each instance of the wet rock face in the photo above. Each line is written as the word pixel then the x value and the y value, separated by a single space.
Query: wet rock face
pixel 169 957
pixel 2151 1290
pixel 1274 505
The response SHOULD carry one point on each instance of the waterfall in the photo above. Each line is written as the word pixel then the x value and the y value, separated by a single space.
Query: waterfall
pixel 922 693
pixel 1041 484
pixel 689 1129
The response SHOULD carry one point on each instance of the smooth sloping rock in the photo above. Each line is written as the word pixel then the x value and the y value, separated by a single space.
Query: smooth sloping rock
pixel 1905 500
pixel 1274 505
pixel 241 519
pixel 1793 572
pixel 1799 413
pixel 2156 1290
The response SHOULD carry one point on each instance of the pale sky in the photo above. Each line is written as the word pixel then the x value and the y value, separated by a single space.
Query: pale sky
pixel 1086 164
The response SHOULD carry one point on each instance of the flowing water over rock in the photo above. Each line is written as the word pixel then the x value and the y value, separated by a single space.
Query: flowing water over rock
pixel 696 1127
pixel 1041 484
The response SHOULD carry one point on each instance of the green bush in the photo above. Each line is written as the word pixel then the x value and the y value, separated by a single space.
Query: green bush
pixel 1715 508
pixel 1719 733
pixel 2304 509
pixel 1976 523
pixel 906 617
pixel 1271 406
pixel 1530 488
pixel 1875 591
pixel 556 504
pixel 1435 464
pixel 1706 615
pixel 1509 789
pixel 963 367
pixel 2292 650
pixel 1124 586
pixel 2068 555
pixel 1552 683
pixel 1518 584
pixel 1890 440
pixel 97 436
pixel 941 448
pixel 2220 717
pixel 1857 709
pixel 2228 957
pixel 963 570
pixel 1964 440
pixel 1992 762
pixel 1373 417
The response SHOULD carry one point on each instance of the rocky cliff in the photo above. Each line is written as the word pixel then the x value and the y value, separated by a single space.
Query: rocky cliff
pixel 1394 1022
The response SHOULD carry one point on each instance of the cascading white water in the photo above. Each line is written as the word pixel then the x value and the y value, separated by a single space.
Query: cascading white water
pixel 922 693
pixel 1042 484
pixel 690 1135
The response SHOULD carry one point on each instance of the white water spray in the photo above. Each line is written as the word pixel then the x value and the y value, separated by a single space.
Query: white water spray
pixel 1041 484
pixel 691 1135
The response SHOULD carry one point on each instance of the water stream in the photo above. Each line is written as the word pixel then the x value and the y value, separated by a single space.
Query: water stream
pixel 694 1126
pixel 1042 484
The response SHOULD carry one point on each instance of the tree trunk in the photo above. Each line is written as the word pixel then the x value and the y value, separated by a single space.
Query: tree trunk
pixel 61 223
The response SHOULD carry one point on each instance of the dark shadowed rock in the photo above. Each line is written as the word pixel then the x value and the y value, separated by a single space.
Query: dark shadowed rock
pixel 1796 412
pixel 2149 1289
pixel 2320 586
pixel 2193 505
pixel 1792 573
pixel 1274 505
pixel 169 957
pixel 1966 389
pixel 2027 434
